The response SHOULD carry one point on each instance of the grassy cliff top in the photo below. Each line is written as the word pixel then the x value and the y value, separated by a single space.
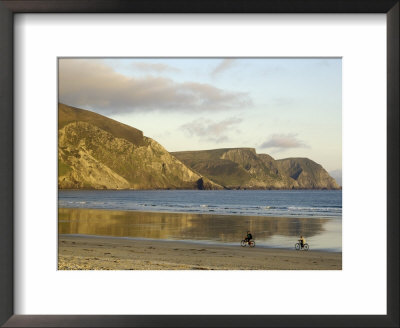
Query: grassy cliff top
pixel 68 114
pixel 211 154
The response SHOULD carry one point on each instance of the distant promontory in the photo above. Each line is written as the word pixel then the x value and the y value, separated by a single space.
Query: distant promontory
pixel 95 152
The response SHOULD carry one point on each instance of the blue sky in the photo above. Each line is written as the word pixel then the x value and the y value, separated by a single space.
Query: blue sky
pixel 282 107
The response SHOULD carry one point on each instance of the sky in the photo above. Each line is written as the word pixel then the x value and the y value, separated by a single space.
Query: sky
pixel 284 107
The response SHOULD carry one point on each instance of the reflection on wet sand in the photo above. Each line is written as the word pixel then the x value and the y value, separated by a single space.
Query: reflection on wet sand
pixel 183 226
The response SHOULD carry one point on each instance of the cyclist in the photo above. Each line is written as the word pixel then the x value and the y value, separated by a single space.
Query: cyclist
pixel 302 241
pixel 248 237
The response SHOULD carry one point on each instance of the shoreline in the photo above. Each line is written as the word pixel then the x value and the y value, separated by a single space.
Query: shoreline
pixel 76 252
pixel 185 189
pixel 188 241
pixel 206 213
pixel 201 228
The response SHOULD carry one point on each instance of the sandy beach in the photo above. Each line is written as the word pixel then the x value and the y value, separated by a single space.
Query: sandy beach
pixel 104 253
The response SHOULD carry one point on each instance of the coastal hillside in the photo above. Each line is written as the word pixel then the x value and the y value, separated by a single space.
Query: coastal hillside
pixel 243 168
pixel 68 114
pixel 95 152
pixel 307 173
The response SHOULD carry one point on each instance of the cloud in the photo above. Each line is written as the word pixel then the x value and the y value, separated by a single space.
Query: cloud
pixel 283 141
pixel 211 131
pixel 92 84
pixel 223 66
pixel 154 67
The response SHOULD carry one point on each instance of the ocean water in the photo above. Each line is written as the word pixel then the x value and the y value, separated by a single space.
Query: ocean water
pixel 273 203
pixel 275 218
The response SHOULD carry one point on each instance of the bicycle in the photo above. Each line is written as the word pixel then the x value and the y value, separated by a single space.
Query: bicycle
pixel 251 243
pixel 298 247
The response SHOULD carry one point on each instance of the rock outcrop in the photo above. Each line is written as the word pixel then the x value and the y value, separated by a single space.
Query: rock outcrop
pixel 243 168
pixel 95 154
pixel 307 173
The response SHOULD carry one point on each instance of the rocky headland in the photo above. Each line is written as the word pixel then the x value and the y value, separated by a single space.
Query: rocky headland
pixel 96 152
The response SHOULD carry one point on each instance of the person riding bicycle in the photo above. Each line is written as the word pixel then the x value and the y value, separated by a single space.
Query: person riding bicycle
pixel 248 237
pixel 302 241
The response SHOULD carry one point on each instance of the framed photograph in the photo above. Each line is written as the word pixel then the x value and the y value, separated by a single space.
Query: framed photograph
pixel 185 190
pixel 199 164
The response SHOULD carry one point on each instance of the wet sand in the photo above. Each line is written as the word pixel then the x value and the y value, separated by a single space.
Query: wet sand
pixel 280 232
pixel 104 253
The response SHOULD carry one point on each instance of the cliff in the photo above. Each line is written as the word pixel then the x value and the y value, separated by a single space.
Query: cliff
pixel 243 168
pixel 95 152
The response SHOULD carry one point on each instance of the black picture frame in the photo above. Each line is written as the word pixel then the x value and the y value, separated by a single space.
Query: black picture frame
pixel 10 7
